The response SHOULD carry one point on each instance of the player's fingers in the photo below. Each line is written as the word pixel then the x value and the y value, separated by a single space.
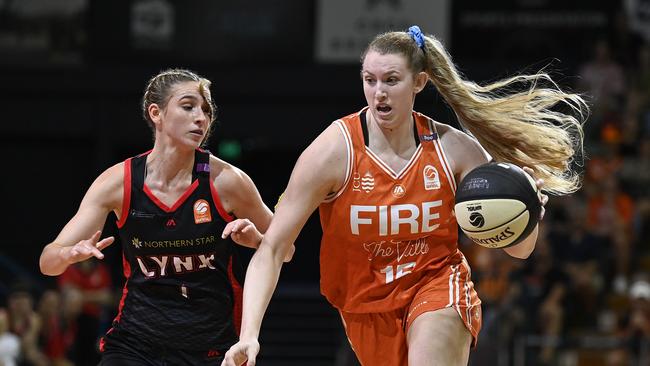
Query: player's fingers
pixel 233 359
pixel 97 253
pixel 529 170
pixel 102 244
pixel 227 230
pixel 239 224
pixel 227 361
pixel 544 199
pixel 251 358
pixel 93 239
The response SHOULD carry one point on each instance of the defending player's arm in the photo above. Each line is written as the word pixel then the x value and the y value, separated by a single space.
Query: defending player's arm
pixel 80 238
pixel 240 198
pixel 319 171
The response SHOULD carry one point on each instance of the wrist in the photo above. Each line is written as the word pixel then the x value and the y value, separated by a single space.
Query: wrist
pixel 248 335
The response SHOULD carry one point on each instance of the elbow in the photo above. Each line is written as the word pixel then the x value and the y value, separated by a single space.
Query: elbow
pixel 42 265
pixel 46 266
pixel 45 269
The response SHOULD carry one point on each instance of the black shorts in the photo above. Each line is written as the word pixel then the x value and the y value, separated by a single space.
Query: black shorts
pixel 126 351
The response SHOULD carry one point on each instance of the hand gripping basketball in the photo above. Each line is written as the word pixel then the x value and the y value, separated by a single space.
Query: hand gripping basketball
pixel 498 205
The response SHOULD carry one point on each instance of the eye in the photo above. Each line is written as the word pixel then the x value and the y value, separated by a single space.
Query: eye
pixel 392 80
pixel 187 107
pixel 369 80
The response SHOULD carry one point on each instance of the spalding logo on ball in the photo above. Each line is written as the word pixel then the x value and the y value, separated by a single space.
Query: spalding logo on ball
pixel 497 205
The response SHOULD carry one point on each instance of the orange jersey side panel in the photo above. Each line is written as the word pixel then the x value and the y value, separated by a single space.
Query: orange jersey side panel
pixel 386 232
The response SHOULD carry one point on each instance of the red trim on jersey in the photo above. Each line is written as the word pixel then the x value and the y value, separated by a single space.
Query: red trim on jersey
pixel 125 290
pixel 145 153
pixel 217 202
pixel 126 196
pixel 178 202
pixel 102 342
pixel 238 295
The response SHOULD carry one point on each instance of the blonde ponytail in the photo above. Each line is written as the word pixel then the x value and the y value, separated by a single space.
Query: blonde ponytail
pixel 516 120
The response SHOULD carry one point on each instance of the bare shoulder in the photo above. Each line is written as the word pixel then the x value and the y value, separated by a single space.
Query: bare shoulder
pixel 463 151
pixel 326 157
pixel 234 186
pixel 224 175
pixel 330 142
pixel 108 188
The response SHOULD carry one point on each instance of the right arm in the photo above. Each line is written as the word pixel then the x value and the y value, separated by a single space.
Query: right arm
pixel 79 239
pixel 319 171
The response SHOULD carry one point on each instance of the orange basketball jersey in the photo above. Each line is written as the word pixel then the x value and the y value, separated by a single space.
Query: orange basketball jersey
pixel 386 232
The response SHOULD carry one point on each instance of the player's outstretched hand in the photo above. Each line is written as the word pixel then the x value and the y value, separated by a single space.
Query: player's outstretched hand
pixel 243 232
pixel 241 352
pixel 84 249
pixel 543 199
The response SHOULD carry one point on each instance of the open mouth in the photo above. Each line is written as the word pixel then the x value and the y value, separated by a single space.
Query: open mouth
pixel 198 132
pixel 383 108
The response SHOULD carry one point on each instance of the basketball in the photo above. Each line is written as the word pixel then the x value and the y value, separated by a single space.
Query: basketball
pixel 497 205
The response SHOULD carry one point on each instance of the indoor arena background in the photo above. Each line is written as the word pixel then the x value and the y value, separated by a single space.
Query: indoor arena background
pixel 72 73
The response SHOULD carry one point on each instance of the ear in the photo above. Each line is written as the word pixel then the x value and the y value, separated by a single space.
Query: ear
pixel 155 113
pixel 421 81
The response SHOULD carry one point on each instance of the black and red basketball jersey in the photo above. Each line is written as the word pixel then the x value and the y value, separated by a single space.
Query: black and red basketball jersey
pixel 183 280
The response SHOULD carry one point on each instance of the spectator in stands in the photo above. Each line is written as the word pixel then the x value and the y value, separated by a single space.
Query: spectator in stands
pixel 91 278
pixel 9 342
pixel 26 324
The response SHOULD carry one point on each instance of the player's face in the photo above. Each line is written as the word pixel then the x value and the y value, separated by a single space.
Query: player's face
pixel 186 118
pixel 389 87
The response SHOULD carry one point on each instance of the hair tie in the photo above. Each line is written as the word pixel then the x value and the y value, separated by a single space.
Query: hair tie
pixel 415 33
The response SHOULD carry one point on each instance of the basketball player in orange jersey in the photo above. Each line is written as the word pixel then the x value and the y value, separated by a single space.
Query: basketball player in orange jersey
pixel 384 180
pixel 176 205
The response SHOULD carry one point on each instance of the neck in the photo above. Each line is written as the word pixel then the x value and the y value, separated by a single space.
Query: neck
pixel 167 164
pixel 399 139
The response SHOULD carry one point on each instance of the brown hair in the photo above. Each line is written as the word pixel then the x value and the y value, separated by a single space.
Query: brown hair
pixel 516 120
pixel 159 87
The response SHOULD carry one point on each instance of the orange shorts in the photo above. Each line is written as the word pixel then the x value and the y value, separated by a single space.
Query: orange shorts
pixel 380 338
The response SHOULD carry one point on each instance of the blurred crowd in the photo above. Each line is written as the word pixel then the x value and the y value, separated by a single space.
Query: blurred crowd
pixel 59 324
pixel 583 297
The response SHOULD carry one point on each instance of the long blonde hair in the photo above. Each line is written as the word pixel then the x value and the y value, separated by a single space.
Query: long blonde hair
pixel 516 119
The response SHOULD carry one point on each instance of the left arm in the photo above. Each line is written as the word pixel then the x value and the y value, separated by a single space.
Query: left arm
pixel 526 247
pixel 466 154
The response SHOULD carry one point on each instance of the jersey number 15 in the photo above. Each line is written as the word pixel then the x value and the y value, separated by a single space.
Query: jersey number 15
pixel 400 270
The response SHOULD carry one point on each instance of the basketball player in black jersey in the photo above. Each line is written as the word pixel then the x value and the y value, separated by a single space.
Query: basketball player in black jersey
pixel 178 207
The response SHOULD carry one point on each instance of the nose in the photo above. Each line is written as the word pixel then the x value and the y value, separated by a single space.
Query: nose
pixel 380 92
pixel 201 116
